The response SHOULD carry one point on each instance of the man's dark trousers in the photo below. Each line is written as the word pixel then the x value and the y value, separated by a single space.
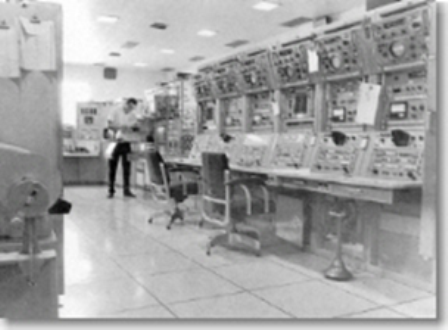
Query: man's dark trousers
pixel 122 149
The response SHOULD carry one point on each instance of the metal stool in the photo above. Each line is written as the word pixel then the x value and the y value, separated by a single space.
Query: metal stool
pixel 337 271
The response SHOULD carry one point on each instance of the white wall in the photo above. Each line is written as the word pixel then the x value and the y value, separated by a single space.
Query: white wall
pixel 83 83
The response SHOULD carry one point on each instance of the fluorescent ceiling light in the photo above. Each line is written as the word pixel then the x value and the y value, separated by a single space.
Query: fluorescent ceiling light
pixel 206 33
pixel 265 5
pixel 107 19
pixel 141 65
pixel 167 51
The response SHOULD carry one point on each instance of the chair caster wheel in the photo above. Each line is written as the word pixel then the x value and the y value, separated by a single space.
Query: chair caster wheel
pixel 208 253
pixel 168 227
pixel 150 220
pixel 201 224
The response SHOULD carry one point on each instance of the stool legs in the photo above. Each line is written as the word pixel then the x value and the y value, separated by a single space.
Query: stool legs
pixel 337 270
pixel 178 214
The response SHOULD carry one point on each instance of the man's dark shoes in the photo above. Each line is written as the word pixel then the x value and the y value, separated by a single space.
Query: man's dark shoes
pixel 129 194
pixel 110 195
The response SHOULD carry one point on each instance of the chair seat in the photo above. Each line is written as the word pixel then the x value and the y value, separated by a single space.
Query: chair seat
pixel 177 190
pixel 239 209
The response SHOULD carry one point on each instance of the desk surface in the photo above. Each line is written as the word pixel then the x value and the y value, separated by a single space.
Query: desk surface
pixel 306 174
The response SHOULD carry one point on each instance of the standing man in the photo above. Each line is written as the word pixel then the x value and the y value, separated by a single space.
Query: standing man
pixel 123 122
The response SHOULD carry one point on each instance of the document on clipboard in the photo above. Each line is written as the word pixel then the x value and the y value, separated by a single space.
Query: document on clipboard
pixel 9 53
pixel 369 97
pixel 38 45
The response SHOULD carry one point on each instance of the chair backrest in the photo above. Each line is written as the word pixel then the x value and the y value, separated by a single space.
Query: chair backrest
pixel 155 163
pixel 214 166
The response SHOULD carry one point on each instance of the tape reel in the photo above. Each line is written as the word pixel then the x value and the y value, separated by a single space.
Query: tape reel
pixel 29 198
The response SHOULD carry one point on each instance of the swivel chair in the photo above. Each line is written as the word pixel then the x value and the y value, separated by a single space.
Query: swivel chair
pixel 227 203
pixel 167 192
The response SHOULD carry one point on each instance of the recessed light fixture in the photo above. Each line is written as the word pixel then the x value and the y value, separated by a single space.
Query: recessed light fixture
pixel 197 58
pixel 266 5
pixel 167 51
pixel 130 44
pixel 237 43
pixel 141 64
pixel 159 26
pixel 115 54
pixel 107 19
pixel 206 33
pixel 296 21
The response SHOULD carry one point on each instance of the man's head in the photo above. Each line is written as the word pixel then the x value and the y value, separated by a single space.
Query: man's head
pixel 130 104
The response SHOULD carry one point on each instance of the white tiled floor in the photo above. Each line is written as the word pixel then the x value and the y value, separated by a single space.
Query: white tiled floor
pixel 119 266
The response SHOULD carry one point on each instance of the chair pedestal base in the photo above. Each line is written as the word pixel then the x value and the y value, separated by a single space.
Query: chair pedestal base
pixel 248 239
pixel 177 214
pixel 337 271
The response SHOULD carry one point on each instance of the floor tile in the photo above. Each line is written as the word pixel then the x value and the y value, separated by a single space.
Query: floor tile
pixel 314 300
pixel 379 313
pixel 239 306
pixel 152 312
pixel 102 297
pixel 260 274
pixel 186 285
pixel 161 262
pixel 303 262
pixel 199 255
pixel 118 266
pixel 123 247
pixel 421 309
pixel 79 270
pixel 380 290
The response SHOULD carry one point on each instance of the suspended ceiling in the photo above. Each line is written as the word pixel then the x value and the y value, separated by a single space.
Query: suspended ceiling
pixel 87 41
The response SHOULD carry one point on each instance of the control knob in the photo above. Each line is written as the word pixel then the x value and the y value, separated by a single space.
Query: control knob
pixel 336 60
pixel 397 49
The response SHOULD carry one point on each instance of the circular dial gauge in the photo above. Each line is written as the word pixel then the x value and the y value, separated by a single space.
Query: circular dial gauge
pixel 336 61
pixel 397 49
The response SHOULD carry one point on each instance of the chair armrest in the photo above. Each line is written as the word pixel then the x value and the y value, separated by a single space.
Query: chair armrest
pixel 244 181
pixel 183 170
pixel 259 183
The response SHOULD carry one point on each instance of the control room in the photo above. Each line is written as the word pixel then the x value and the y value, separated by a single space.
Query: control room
pixel 220 160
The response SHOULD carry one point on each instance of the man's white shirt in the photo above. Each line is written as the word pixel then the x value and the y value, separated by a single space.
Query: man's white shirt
pixel 119 118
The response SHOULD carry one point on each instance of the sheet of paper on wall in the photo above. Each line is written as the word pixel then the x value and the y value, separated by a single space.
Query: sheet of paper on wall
pixel 369 96
pixel 275 108
pixel 38 45
pixel 9 53
pixel 313 61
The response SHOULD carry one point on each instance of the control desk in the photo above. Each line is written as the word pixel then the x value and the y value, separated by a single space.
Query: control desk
pixel 200 144
pixel 217 144
pixel 173 137
pixel 340 50
pixel 290 62
pixel 261 115
pixel 252 150
pixel 208 113
pixel 401 37
pixel 339 153
pixel 256 71
pixel 203 84
pixel 342 102
pixel 297 107
pixel 407 97
pixel 292 150
pixel 226 78
pixel 233 113
pixel 397 155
